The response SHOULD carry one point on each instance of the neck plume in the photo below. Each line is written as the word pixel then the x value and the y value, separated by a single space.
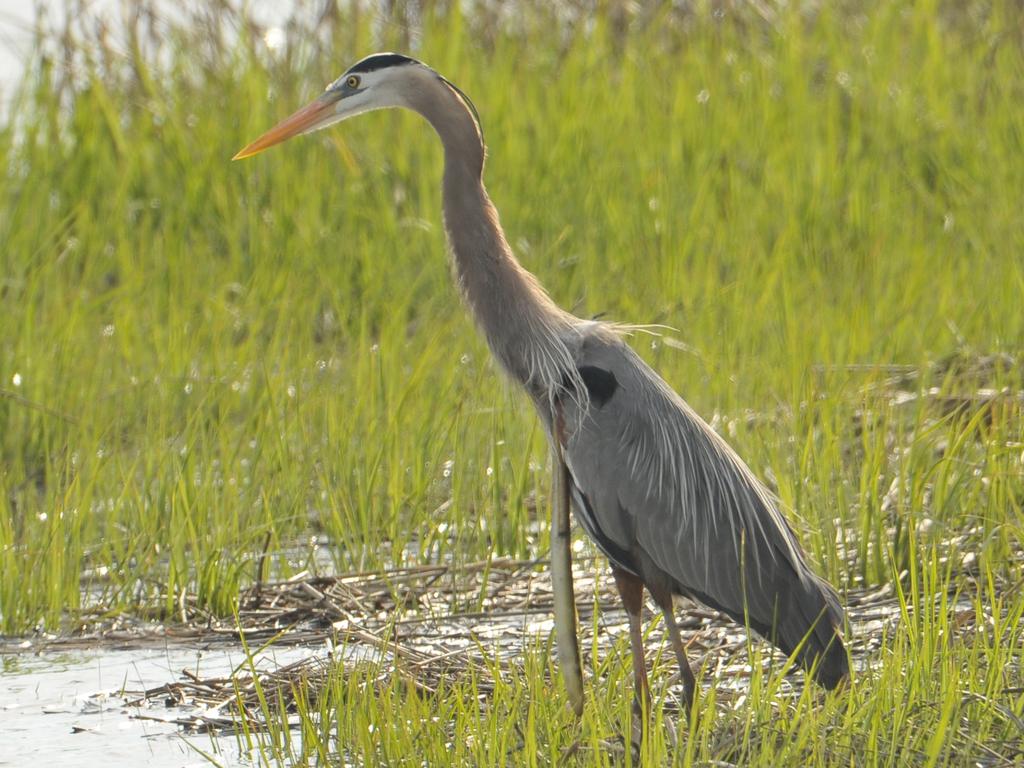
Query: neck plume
pixel 525 329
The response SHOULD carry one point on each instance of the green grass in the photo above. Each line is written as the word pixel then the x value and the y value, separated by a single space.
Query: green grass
pixel 198 354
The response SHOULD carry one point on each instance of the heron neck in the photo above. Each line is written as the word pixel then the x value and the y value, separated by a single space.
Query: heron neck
pixel 525 329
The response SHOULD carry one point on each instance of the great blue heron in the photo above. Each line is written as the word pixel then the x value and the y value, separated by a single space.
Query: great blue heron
pixel 669 503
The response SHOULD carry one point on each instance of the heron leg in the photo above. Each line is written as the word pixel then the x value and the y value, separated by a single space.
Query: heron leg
pixel 663 598
pixel 631 590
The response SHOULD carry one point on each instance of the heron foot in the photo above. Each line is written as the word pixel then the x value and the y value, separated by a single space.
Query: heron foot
pixel 637 732
pixel 636 736
pixel 671 734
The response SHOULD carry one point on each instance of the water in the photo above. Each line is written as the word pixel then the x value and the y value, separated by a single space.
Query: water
pixel 73 707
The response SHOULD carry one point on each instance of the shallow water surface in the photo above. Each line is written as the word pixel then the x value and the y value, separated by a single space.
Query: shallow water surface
pixel 73 707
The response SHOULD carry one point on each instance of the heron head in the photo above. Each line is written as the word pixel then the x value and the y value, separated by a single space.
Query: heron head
pixel 376 82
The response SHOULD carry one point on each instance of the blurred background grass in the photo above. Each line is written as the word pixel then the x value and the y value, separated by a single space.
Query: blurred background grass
pixel 198 355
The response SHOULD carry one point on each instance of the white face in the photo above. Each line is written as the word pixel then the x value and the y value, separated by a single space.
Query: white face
pixel 355 92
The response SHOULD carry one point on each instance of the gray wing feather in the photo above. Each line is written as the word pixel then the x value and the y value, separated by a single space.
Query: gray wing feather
pixel 657 479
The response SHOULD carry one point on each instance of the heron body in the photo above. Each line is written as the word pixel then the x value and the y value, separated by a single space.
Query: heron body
pixel 661 494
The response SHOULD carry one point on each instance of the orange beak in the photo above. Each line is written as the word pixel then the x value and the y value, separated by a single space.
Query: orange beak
pixel 306 119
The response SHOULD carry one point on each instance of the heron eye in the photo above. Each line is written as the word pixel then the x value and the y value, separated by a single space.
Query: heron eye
pixel 352 82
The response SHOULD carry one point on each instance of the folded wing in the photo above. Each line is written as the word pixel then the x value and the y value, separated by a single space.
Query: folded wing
pixel 659 490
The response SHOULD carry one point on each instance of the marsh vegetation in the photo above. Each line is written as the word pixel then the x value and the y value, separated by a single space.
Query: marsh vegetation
pixel 215 374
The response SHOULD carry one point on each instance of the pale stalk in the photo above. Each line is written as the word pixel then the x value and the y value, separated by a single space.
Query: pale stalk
pixel 562 587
